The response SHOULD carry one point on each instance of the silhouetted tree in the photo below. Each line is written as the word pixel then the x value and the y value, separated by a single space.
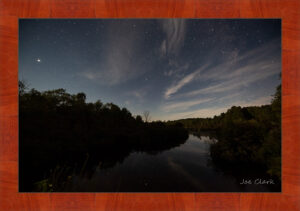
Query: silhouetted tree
pixel 58 130
pixel 245 135
pixel 139 118
pixel 146 115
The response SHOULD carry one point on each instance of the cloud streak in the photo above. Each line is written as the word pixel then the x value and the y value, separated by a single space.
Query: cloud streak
pixel 240 77
pixel 184 105
pixel 175 34
pixel 215 110
pixel 119 63
pixel 187 79
pixel 227 79
pixel 256 65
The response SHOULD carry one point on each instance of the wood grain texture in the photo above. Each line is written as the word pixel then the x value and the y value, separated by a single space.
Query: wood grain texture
pixel 217 201
pixel 217 9
pixel 12 10
pixel 145 201
pixel 145 9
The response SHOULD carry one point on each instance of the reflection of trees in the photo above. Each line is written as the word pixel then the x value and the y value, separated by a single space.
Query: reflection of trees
pixel 246 136
pixel 58 128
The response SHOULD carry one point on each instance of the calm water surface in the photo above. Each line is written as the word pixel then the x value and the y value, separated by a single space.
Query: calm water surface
pixel 186 168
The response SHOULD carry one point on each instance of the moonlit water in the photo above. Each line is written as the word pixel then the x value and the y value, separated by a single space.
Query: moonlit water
pixel 186 168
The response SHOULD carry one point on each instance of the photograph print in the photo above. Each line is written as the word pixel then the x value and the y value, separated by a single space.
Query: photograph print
pixel 149 105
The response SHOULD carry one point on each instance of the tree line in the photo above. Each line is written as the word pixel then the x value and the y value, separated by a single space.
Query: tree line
pixel 57 128
pixel 246 135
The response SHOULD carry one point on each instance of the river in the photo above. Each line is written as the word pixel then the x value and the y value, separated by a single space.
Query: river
pixel 186 168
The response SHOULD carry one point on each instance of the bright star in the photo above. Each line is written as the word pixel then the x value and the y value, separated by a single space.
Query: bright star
pixel 39 60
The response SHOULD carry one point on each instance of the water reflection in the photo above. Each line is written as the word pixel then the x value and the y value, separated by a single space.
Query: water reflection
pixel 186 168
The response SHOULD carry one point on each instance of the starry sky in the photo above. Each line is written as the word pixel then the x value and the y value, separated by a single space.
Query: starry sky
pixel 174 68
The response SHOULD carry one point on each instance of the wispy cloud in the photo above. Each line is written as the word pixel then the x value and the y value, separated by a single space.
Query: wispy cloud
pixel 256 102
pixel 89 75
pixel 215 110
pixel 176 70
pixel 240 77
pixel 198 113
pixel 138 95
pixel 174 106
pixel 178 85
pixel 187 79
pixel 119 61
pixel 175 34
pixel 260 56
pixel 254 66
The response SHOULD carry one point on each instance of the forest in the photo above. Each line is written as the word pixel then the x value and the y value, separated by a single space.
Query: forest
pixel 246 135
pixel 61 133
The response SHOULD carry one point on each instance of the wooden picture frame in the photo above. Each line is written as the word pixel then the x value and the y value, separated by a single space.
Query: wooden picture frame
pixel 12 10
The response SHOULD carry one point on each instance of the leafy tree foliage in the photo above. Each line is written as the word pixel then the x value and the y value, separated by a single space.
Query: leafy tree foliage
pixel 61 129
pixel 249 135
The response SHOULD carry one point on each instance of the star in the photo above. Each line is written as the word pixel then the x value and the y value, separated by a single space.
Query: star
pixel 38 60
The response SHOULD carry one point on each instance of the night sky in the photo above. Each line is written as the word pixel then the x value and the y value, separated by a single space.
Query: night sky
pixel 174 68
